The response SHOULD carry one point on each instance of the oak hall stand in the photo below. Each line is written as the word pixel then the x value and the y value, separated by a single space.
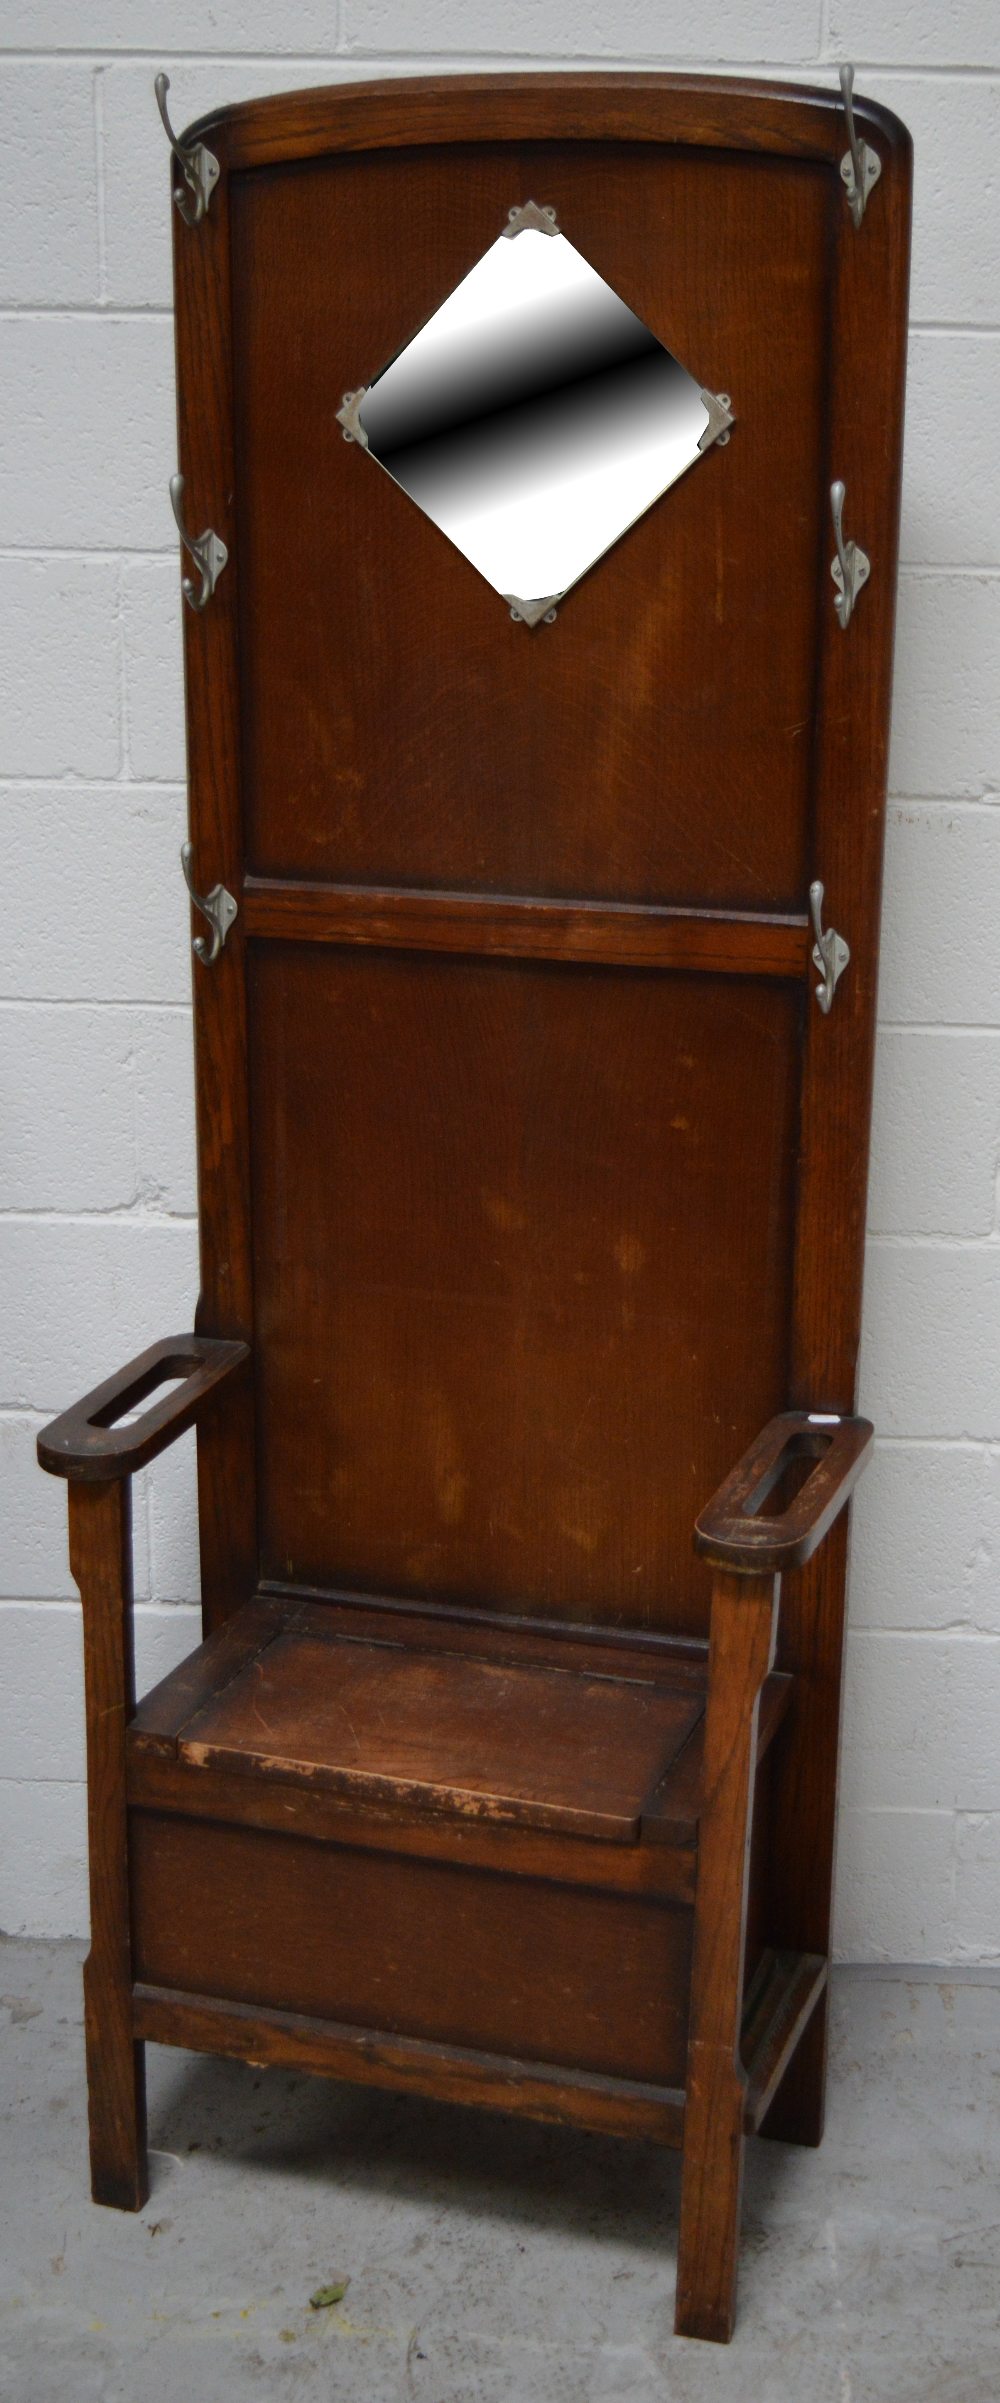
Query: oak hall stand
pixel 533 1106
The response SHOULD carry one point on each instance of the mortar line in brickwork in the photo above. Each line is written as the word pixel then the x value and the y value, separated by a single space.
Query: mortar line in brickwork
pixel 459 59
pixel 906 1810
pixel 937 1243
pixel 957 1630
pixel 934 569
pixel 67 781
pixel 982 571
pixel 910 70
pixel 123 311
pixel 91 555
pixel 985 802
pixel 684 62
pixel 118 1214
pixel 930 1973
pixel 456 61
pixel 146 1602
pixel 945 1628
pixel 26 312
pixel 12 1602
pixel 124 763
pixel 936 1443
pixel 941 327
pixel 102 243
pixel 78 1001
pixel 643 61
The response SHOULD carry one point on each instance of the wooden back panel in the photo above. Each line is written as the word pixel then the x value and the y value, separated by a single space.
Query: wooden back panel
pixel 528 1164
pixel 519 1288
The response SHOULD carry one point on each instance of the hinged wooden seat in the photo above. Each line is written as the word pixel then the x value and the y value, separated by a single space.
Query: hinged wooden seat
pixel 385 1713
pixel 500 1739
pixel 534 1042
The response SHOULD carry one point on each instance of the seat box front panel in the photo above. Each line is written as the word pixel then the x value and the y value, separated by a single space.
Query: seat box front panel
pixel 514 1966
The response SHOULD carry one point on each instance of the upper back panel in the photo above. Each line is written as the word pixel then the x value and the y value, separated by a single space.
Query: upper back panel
pixel 398 728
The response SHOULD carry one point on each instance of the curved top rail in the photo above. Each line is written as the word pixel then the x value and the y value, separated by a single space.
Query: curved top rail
pixel 712 112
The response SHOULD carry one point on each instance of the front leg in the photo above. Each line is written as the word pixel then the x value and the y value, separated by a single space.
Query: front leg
pixel 741 1650
pixel 101 1561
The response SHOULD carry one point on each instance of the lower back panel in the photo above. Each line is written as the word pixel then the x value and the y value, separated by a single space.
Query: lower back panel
pixel 522 1258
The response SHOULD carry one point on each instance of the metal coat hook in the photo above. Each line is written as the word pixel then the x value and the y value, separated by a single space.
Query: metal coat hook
pixel 217 906
pixel 860 166
pixel 852 567
pixel 207 550
pixel 830 952
pixel 198 166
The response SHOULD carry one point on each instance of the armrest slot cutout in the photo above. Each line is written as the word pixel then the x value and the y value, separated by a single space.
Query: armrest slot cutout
pixel 126 1411
pixel 782 1483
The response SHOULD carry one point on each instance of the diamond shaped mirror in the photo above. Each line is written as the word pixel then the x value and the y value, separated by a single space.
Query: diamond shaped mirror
pixel 534 417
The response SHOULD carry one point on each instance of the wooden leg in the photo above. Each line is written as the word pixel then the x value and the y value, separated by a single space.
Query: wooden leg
pixel 101 1561
pixel 740 1654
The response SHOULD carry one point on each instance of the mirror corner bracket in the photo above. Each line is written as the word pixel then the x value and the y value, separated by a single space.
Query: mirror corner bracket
pixel 349 416
pixel 533 613
pixel 720 419
pixel 530 219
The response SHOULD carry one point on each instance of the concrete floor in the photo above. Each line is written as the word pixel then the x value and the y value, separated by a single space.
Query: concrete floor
pixel 491 2261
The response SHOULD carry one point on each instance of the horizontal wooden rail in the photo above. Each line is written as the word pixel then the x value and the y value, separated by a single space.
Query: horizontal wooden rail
pixel 620 934
pixel 409 2064
pixel 784 1996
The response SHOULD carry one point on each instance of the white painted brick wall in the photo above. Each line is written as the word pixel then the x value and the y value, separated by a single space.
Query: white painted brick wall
pixel 97 1238
pixel 59 643
pixel 49 232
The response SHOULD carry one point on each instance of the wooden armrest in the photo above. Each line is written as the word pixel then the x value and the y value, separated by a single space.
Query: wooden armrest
pixel 86 1443
pixel 736 1531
